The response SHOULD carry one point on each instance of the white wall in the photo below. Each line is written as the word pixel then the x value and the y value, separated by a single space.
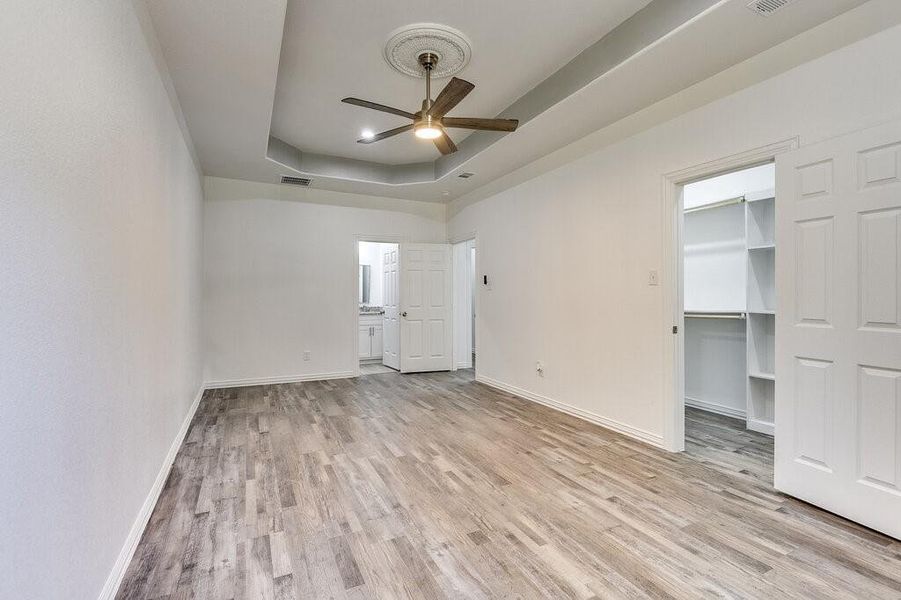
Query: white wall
pixel 100 224
pixel 279 275
pixel 715 260
pixel 716 358
pixel 569 251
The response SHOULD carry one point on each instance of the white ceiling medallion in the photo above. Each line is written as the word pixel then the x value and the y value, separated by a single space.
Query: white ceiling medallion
pixel 407 43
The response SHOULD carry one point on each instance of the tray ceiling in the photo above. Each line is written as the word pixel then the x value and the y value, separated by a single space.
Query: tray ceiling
pixel 260 83
pixel 334 49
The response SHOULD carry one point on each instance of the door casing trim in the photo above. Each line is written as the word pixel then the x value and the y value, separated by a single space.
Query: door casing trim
pixel 673 390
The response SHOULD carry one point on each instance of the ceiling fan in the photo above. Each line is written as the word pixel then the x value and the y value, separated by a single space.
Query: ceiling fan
pixel 430 122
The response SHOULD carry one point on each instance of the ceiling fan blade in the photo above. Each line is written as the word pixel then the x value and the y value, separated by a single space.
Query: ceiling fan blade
pixel 450 96
pixel 385 134
pixel 381 107
pixel 444 144
pixel 482 124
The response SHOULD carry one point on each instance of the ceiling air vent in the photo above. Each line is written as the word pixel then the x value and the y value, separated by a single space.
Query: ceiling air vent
pixel 765 8
pixel 301 181
pixel 465 175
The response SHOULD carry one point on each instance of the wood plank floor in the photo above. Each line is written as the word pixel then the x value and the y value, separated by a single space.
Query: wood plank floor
pixel 374 369
pixel 434 486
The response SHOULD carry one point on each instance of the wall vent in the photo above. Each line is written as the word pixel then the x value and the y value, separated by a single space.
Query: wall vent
pixel 301 181
pixel 765 8
pixel 465 175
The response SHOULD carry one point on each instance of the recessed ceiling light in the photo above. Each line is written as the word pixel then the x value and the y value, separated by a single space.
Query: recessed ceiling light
pixel 367 134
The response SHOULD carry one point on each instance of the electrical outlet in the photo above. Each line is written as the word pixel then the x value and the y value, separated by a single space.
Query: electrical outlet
pixel 306 355
pixel 653 278
pixel 539 368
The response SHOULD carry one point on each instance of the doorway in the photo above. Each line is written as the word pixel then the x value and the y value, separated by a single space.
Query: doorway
pixel 728 315
pixel 831 384
pixel 403 306
pixel 464 265
pixel 378 331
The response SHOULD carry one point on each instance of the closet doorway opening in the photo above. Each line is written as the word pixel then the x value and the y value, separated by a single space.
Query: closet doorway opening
pixel 377 307
pixel 464 264
pixel 728 319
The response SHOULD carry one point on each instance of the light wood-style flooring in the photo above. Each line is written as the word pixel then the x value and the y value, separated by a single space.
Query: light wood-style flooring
pixel 374 369
pixel 434 486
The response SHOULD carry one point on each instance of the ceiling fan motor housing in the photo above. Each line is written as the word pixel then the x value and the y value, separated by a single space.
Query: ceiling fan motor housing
pixel 428 60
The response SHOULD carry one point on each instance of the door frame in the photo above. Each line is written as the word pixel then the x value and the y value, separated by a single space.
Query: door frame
pixel 672 276
pixel 456 239
pixel 459 239
pixel 355 305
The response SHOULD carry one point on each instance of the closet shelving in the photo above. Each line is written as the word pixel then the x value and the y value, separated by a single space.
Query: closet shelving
pixel 715 305
pixel 732 276
pixel 760 216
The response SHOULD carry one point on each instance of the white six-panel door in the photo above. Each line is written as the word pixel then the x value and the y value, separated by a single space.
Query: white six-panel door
pixel 390 325
pixel 838 326
pixel 426 321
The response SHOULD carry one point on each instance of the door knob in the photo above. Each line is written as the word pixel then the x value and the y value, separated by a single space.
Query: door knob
pixel 403 314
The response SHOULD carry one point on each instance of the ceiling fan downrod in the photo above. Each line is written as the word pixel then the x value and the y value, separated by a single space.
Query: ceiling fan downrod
pixel 427 126
pixel 428 62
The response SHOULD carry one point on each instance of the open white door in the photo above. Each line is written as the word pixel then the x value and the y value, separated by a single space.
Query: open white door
pixel 838 326
pixel 390 325
pixel 426 320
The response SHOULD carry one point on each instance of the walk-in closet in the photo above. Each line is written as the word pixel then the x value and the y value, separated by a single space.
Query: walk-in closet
pixel 729 296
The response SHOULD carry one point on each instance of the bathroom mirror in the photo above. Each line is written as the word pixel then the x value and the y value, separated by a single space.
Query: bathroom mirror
pixel 365 279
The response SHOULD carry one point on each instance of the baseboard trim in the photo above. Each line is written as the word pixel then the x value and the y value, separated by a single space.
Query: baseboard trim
pixel 633 432
pixel 229 383
pixel 762 427
pixel 713 407
pixel 111 587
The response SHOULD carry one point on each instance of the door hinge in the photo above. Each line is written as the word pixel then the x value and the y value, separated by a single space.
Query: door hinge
pixel 675 329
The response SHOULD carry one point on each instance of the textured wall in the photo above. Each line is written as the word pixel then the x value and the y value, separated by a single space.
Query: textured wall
pixel 100 225
pixel 569 251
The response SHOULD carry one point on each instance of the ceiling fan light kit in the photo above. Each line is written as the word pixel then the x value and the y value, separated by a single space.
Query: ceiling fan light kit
pixel 427 131
pixel 430 123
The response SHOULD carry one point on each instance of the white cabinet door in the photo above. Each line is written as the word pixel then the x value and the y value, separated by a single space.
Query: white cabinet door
pixel 376 342
pixel 426 331
pixel 838 326
pixel 365 341
pixel 390 290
